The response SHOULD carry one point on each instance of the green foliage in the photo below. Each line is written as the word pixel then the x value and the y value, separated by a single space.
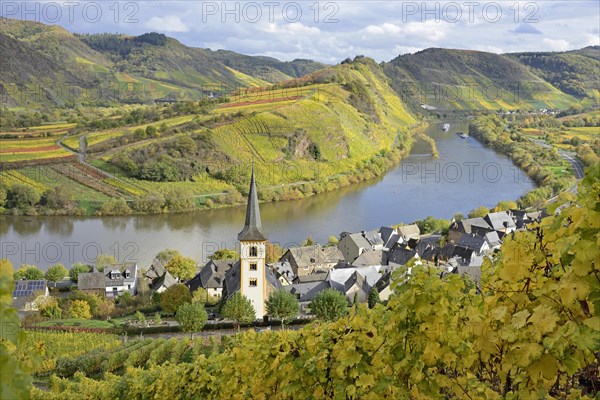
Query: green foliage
pixel 166 255
pixel 80 309
pixel 181 267
pixel 329 305
pixel 373 298
pixel 15 379
pixel 139 316
pixel 282 305
pixel 191 317
pixel 479 212
pixel 29 272
pixel 431 224
pixel 172 298
pixel 225 254
pixel 505 206
pixel 115 207
pixel 76 269
pixel 105 260
pixel 309 241
pixel 22 197
pixel 239 309
pixel 56 273
pixel 51 309
pixel 157 320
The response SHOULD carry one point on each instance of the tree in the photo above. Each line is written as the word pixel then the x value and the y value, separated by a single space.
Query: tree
pixel 22 197
pixel 76 269
pixel 80 309
pixel 373 298
pixel 105 260
pixel 431 224
pixel 175 296
pixel 329 305
pixel 115 207
pixel 200 295
pixel 225 254
pixel 505 205
pixel 479 212
pixel 309 241
pixel 51 309
pixel 56 273
pixel 239 309
pixel 181 267
pixel 29 272
pixel 166 255
pixel 191 317
pixel 150 202
pixel 157 319
pixel 141 318
pixel 458 216
pixel 332 241
pixel 15 381
pixel 57 198
pixel 282 305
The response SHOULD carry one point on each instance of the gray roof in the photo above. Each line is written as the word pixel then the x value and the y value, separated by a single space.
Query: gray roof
pixel 307 291
pixel 471 225
pixel 91 281
pixel 493 239
pixel 359 240
pixel 386 233
pixel 156 270
pixel 374 238
pixel 24 288
pixel 500 220
pixel 358 280
pixel 400 254
pixel 212 275
pixel 409 231
pixel 165 280
pixel 283 268
pixel 377 257
pixel 313 255
pixel 320 276
pixel 471 242
pixel 253 230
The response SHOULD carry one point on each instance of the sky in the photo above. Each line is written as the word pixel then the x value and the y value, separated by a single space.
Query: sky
pixel 330 31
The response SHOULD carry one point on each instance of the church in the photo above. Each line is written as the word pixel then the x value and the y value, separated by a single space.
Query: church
pixel 251 276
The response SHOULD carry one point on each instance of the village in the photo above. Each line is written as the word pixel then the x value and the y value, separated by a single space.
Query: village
pixel 358 265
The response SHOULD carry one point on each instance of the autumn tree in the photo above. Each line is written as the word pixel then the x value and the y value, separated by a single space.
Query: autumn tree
pixel 329 305
pixel 172 298
pixel 29 272
pixel 282 305
pixel 181 267
pixel 191 317
pixel 239 309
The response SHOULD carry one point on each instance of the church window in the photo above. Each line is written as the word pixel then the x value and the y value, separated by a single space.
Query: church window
pixel 253 251
pixel 253 266
pixel 253 282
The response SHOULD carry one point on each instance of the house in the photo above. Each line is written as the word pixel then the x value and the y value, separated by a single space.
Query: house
pixel 112 282
pixel 401 254
pixel 407 232
pixel 339 276
pixel 353 245
pixel 159 278
pixel 232 281
pixel 428 248
pixel 318 277
pixel 523 218
pixel 27 293
pixel 376 257
pixel 478 226
pixel 211 277
pixel 476 243
pixel 357 288
pixel 493 240
pixel 463 254
pixel 306 292
pixel 501 222
pixel 389 236
pixel 384 286
pixel 312 259
pixel 284 272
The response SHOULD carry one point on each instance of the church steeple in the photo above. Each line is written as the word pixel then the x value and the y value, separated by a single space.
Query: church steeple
pixel 253 230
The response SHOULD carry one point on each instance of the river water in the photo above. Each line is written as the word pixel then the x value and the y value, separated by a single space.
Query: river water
pixel 464 176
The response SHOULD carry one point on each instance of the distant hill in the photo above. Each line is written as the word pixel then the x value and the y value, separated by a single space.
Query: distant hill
pixel 574 72
pixel 463 80
pixel 266 68
pixel 101 69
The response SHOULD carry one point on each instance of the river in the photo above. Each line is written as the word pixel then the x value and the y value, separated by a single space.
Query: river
pixel 464 176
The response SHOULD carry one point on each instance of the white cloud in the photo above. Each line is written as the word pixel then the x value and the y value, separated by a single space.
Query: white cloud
pixel 556 44
pixel 294 29
pixel 428 30
pixel 168 23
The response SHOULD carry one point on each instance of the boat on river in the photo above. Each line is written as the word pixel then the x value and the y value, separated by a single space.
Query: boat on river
pixel 445 127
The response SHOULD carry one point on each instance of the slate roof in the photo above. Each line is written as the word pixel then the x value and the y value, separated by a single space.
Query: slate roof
pixel 284 268
pixel 359 240
pixel 386 233
pixel 253 230
pixel 500 220
pixel 409 231
pixel 167 280
pixel 320 276
pixel 338 277
pixel 313 255
pixel 471 225
pixel 157 269
pixel 471 242
pixel 376 257
pixel 493 239
pixel 307 291
pixel 401 254
pixel 212 275
pixel 25 288
pixel 358 280
pixel 373 238
pixel 91 281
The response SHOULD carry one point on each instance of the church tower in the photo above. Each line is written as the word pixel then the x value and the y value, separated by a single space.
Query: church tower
pixel 253 240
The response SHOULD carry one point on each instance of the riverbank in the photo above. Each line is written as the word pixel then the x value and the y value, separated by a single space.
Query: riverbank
pixel 182 201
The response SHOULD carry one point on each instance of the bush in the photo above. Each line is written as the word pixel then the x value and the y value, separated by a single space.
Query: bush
pixel 172 298
pixel 80 309
pixel 329 305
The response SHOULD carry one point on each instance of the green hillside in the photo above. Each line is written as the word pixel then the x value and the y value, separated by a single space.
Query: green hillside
pixel 470 80
pixel 266 68
pixel 573 72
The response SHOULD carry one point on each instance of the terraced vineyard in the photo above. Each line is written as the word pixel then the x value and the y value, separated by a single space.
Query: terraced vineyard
pixel 31 150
